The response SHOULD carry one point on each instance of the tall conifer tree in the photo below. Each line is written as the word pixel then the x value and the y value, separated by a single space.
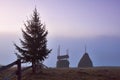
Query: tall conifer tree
pixel 34 43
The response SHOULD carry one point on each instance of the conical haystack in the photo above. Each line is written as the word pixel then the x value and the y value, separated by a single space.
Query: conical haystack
pixel 85 61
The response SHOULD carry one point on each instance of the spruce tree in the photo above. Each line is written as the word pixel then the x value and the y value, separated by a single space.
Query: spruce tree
pixel 34 43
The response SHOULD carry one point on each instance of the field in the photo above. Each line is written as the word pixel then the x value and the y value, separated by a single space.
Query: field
pixel 97 73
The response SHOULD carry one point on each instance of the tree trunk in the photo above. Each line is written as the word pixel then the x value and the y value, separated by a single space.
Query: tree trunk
pixel 40 67
pixel 33 67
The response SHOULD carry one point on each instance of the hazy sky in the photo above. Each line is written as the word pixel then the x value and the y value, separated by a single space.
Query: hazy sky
pixel 71 23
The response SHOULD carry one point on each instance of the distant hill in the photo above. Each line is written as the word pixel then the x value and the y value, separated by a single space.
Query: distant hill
pixel 98 73
pixel 1 65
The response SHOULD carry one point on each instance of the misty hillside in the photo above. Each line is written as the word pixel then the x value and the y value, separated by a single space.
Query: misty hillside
pixel 103 73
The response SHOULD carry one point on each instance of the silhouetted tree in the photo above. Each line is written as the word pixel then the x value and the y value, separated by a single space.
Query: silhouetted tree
pixel 34 43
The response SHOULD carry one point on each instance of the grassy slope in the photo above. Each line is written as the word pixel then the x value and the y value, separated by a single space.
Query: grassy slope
pixel 74 74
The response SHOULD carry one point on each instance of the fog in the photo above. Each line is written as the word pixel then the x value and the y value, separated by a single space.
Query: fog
pixel 103 50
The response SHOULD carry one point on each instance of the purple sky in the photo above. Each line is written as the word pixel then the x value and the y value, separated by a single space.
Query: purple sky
pixel 71 23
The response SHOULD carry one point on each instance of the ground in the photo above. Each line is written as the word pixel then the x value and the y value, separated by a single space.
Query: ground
pixel 96 73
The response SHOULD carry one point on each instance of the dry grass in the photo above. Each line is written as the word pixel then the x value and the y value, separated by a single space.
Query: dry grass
pixel 73 74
